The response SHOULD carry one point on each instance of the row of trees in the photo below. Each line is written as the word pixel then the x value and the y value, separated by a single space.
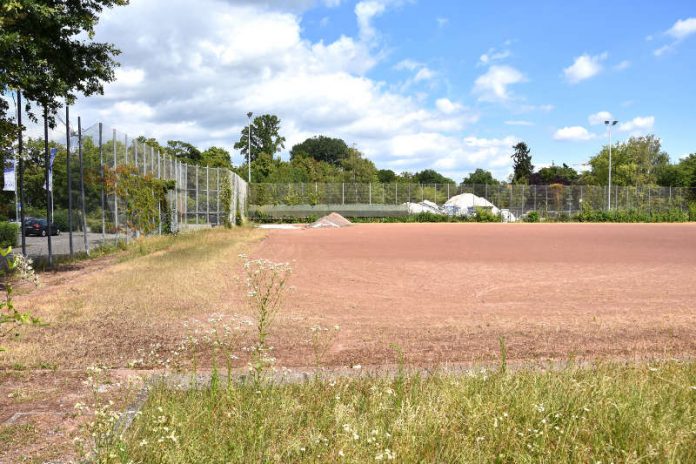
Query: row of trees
pixel 637 161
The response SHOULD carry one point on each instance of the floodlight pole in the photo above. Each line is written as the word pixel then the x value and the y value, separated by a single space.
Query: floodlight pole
pixel 609 125
pixel 249 115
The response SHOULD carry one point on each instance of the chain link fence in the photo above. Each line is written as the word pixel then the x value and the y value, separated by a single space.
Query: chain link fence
pixel 105 187
pixel 375 200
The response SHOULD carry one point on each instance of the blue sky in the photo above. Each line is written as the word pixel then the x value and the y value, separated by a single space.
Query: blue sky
pixel 541 39
pixel 413 84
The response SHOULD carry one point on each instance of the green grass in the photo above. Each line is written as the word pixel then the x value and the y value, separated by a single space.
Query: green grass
pixel 608 413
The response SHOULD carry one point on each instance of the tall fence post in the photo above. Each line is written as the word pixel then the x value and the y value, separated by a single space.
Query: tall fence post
pixel 82 185
pixel 343 193
pixel 103 192
pixel 118 230
pixel 207 195
pixel 370 191
pixel 396 193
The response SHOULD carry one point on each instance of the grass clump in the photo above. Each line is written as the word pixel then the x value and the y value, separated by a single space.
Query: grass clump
pixel 607 413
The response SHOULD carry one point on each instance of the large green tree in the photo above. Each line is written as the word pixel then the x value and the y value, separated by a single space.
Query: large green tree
pixel 521 164
pixel 184 151
pixel 47 52
pixel 480 177
pixel 265 137
pixel 322 148
pixel 638 161
pixel 555 174
pixel 216 157
pixel 431 176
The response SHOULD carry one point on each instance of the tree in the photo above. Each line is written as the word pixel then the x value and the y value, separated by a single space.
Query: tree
pixel 638 161
pixel 430 176
pixel 265 137
pixel 46 51
pixel 480 177
pixel 321 148
pixel 386 176
pixel 358 169
pixel 183 151
pixel 555 175
pixel 682 174
pixel 216 157
pixel 521 164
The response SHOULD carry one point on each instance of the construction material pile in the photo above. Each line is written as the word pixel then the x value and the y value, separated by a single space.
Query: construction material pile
pixel 460 205
pixel 333 220
pixel 425 206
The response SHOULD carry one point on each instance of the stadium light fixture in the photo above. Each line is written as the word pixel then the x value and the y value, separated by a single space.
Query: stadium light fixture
pixel 609 125
pixel 249 115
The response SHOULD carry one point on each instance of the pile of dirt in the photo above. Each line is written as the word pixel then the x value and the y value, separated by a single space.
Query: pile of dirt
pixel 331 220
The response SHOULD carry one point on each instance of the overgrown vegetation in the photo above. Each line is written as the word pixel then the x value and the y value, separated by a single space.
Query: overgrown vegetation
pixel 13 266
pixel 8 234
pixel 145 197
pixel 607 413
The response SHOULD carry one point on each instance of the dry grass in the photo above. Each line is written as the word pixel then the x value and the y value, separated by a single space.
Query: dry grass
pixel 111 316
pixel 108 311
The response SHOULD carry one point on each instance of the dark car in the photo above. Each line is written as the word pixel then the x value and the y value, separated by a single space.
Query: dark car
pixel 33 226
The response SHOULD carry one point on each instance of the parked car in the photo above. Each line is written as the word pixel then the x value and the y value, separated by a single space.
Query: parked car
pixel 34 226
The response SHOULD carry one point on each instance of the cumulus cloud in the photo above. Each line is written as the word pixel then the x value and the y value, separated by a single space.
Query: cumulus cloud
pixel 639 125
pixel 681 29
pixel 573 134
pixel 194 78
pixel 584 67
pixel 492 86
pixel 599 118
pixel 447 106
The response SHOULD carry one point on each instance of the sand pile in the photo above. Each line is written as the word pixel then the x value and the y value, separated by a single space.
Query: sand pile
pixel 331 220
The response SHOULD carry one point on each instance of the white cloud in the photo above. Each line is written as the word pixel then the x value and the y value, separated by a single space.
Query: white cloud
pixel 584 67
pixel 445 105
pixel 423 74
pixel 573 134
pixel 518 122
pixel 599 118
pixel 625 64
pixel 493 85
pixel 638 125
pixel 408 64
pixel 682 28
pixel 365 12
pixel 211 68
pixel 493 55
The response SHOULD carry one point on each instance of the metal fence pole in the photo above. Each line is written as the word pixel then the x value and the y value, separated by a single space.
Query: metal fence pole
pixel 118 230
pixel 396 193
pixel 343 193
pixel 207 195
pixel 82 185
pixel 69 174
pixel 135 153
pixel 370 192
pixel 125 140
pixel 48 180
pixel 103 192
pixel 217 196
pixel 197 208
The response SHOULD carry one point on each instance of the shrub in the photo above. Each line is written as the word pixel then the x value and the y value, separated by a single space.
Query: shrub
pixel 485 215
pixel 8 234
pixel 60 219
pixel 532 216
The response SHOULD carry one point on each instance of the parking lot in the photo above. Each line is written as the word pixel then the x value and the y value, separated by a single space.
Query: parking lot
pixel 60 244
